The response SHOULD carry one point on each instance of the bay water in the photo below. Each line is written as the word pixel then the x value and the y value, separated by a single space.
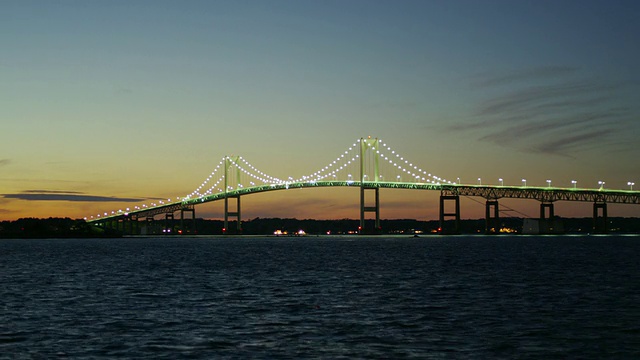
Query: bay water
pixel 433 297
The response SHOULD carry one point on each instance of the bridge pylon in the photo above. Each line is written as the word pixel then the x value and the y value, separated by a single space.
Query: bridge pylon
pixel 368 183
pixel 229 162
pixel 232 214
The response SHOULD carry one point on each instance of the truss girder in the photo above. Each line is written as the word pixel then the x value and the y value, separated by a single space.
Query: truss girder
pixel 546 194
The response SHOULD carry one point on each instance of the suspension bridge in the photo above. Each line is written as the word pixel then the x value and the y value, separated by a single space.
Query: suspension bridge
pixel 370 165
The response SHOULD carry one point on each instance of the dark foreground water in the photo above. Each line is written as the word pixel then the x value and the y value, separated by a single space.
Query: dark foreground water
pixel 431 297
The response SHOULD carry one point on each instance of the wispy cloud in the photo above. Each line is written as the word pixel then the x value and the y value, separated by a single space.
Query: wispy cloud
pixel 51 192
pixel 566 143
pixel 523 75
pixel 554 110
pixel 56 195
pixel 4 162
pixel 554 96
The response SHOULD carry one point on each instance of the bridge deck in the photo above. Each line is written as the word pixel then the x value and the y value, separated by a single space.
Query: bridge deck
pixel 543 194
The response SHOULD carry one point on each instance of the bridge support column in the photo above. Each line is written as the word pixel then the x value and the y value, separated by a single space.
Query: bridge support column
pixel 543 210
pixel 492 221
pixel 127 225
pixel 364 209
pixel 135 225
pixel 192 229
pixel 168 223
pixel 149 225
pixel 444 215
pixel 235 214
pixel 120 227
pixel 546 218
pixel 600 218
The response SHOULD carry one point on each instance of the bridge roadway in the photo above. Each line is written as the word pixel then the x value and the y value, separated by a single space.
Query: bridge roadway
pixel 546 195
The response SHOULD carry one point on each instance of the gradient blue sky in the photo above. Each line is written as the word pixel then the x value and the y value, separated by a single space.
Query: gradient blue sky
pixel 102 102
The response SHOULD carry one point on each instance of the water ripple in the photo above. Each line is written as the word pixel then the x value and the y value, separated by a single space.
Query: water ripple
pixel 480 297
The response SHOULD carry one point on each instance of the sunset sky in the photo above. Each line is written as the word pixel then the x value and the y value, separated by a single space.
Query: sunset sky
pixel 105 104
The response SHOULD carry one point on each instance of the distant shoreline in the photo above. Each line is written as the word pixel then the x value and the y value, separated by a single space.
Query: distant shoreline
pixel 288 227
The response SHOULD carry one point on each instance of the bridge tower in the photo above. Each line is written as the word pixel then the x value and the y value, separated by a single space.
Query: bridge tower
pixel 228 163
pixel 369 184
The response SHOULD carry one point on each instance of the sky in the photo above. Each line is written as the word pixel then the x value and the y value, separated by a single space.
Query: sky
pixel 105 104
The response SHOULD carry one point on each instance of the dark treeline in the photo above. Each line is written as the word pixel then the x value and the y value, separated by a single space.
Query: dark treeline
pixel 70 228
pixel 51 228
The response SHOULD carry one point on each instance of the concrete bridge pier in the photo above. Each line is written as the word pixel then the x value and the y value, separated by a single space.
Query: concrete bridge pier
pixel 492 218
pixel 120 225
pixel 455 229
pixel 546 210
pixel 168 223
pixel 149 224
pixel 128 224
pixel 192 210
pixel 546 223
pixel 600 217
pixel 234 214
pixel 110 224
pixel 135 224
pixel 364 209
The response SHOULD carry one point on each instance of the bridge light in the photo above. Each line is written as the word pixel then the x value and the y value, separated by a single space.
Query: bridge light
pixel 548 183
pixel 574 182
pixel 479 181
pixel 601 183
pixel 630 183
pixel 524 182
pixel 501 181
